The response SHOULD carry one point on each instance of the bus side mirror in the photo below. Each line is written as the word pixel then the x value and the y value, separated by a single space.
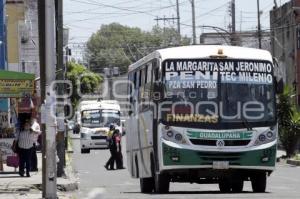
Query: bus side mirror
pixel 279 86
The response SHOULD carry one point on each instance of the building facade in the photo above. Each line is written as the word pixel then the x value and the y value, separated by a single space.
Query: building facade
pixel 285 42
pixel 23 40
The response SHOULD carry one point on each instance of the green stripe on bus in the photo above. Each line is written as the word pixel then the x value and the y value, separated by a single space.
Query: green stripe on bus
pixel 240 135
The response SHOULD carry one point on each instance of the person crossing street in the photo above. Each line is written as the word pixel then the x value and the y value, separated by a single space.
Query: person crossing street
pixel 112 148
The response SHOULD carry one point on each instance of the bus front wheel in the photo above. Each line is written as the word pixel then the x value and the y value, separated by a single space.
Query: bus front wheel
pixel 259 182
pixel 162 183
pixel 147 185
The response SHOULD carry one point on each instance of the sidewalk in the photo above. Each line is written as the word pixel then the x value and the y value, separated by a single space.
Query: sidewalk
pixel 14 186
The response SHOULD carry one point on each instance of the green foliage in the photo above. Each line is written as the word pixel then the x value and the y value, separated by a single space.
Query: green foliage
pixel 115 45
pixel 88 81
pixel 288 121
pixel 296 157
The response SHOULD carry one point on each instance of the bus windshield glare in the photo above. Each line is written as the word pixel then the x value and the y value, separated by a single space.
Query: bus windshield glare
pixel 218 93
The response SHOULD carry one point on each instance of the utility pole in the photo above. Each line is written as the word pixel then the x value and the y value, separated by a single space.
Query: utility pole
pixel 258 25
pixel 164 19
pixel 233 33
pixel 178 17
pixel 42 53
pixel 60 87
pixel 194 22
pixel 50 181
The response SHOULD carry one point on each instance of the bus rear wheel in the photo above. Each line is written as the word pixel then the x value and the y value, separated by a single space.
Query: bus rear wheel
pixel 162 183
pixel 259 182
pixel 147 185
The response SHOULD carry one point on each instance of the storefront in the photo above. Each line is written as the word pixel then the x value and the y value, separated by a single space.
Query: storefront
pixel 18 90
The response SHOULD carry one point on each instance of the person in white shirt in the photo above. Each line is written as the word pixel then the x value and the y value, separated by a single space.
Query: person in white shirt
pixel 25 138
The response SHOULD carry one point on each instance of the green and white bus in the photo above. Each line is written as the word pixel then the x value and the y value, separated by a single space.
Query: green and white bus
pixel 202 114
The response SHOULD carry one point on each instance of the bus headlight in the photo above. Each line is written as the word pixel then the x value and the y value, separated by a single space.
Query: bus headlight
pixel 178 137
pixel 265 137
pixel 270 134
pixel 262 138
pixel 170 134
pixel 173 136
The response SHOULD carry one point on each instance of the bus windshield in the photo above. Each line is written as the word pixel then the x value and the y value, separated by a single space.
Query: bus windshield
pixel 218 93
pixel 100 118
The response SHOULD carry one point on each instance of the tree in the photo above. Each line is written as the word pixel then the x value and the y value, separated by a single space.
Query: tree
pixel 88 81
pixel 115 45
pixel 288 121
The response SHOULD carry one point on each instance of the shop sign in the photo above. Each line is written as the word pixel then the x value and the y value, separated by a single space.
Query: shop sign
pixel 16 88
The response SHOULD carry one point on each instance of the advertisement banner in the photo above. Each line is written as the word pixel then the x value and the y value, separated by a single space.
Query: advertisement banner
pixel 16 88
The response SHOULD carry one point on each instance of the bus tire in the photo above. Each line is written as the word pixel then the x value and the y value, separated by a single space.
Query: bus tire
pixel 259 182
pixel 162 183
pixel 147 185
pixel 224 186
pixel 237 186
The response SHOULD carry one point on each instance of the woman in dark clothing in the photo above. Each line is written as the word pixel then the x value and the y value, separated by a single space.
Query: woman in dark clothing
pixel 113 150
pixel 119 160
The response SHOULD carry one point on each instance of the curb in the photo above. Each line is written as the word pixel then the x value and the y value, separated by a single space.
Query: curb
pixel 67 187
pixel 293 162
pixel 64 187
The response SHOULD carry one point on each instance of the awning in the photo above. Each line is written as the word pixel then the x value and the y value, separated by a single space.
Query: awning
pixel 16 84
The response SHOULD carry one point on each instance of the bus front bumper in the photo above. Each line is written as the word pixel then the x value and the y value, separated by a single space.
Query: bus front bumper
pixel 179 158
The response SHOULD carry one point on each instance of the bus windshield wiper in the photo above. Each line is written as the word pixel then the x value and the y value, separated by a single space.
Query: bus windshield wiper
pixel 246 124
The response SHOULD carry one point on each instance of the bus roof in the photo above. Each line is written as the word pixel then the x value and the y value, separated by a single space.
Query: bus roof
pixel 205 51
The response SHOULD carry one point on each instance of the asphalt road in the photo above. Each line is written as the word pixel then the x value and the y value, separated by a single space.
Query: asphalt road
pixel 96 182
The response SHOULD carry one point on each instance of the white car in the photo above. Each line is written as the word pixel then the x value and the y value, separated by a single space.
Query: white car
pixel 95 138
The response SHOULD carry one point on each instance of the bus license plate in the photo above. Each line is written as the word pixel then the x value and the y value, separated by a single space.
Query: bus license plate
pixel 220 165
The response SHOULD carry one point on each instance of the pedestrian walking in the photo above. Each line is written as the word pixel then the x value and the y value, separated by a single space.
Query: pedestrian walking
pixel 25 139
pixel 119 155
pixel 36 129
pixel 112 148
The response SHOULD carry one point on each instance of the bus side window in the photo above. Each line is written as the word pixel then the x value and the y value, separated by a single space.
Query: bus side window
pixel 142 89
pixel 156 72
pixel 140 79
pixel 147 88
pixel 146 74
pixel 130 88
pixel 134 80
pixel 149 73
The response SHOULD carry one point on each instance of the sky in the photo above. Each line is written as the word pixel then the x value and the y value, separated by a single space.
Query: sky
pixel 84 17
